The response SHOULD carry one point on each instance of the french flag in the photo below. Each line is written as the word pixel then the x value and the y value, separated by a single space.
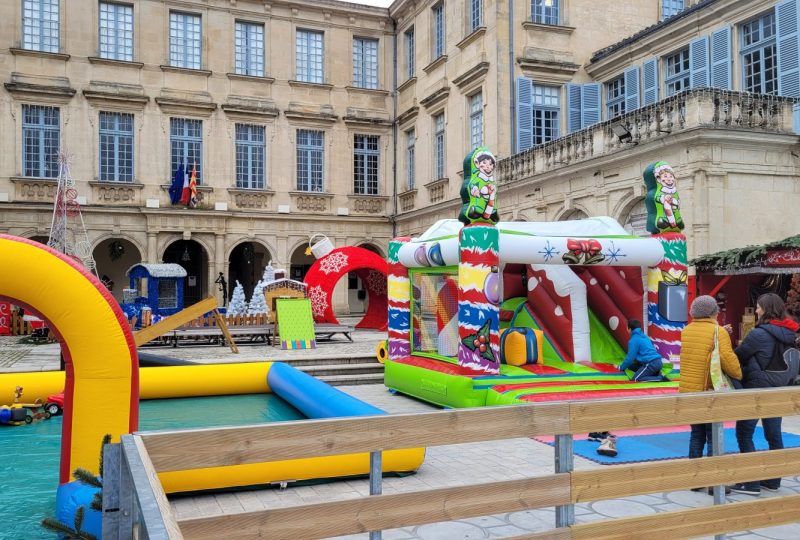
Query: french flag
pixel 186 194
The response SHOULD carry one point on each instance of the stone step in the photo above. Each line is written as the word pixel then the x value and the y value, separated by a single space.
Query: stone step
pixel 329 360
pixel 342 380
pixel 344 369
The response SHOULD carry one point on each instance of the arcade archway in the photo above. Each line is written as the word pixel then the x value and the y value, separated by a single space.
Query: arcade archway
pixel 193 258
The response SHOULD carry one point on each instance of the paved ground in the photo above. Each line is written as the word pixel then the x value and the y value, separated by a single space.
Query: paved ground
pixel 443 466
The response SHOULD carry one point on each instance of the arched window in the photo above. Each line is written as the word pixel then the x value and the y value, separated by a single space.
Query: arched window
pixel 636 220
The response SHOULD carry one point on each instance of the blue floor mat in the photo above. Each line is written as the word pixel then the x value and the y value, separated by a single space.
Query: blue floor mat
pixel 638 448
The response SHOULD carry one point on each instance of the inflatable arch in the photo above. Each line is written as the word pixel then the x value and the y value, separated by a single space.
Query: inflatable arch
pixel 102 367
pixel 326 272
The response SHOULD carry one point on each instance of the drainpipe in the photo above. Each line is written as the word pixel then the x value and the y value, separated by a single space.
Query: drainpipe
pixel 512 87
pixel 393 216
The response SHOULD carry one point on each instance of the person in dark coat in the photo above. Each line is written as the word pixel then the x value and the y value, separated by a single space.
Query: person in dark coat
pixel 755 354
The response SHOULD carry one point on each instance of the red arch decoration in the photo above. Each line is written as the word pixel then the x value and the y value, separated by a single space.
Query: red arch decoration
pixel 326 272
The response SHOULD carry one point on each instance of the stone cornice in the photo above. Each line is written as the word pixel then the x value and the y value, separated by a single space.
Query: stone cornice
pixel 309 116
pixel 112 62
pixel 435 98
pixel 548 69
pixel 408 83
pixel 100 97
pixel 16 51
pixel 473 36
pixel 304 84
pixel 250 107
pixel 370 91
pixel 436 63
pixel 407 115
pixel 185 71
pixel 250 78
pixel 555 28
pixel 472 75
pixel 180 106
pixel 53 93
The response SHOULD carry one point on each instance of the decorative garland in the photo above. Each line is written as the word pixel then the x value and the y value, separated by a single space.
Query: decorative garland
pixel 746 257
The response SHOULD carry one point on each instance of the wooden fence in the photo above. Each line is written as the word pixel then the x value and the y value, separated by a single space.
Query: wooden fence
pixel 136 490
pixel 209 320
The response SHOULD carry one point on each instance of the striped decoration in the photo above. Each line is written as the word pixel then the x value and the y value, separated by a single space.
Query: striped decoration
pixel 299 344
pixel 478 310
pixel 399 292
pixel 666 335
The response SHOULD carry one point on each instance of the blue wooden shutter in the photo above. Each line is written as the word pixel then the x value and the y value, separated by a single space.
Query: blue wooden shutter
pixel 524 113
pixel 632 99
pixel 590 104
pixel 788 13
pixel 796 118
pixel 721 76
pixel 698 63
pixel 574 102
pixel 650 75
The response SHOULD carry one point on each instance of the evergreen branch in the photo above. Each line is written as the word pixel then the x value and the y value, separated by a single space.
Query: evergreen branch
pixel 87 477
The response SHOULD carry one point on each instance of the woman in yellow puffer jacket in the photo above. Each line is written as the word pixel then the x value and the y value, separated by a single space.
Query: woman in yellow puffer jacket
pixel 697 344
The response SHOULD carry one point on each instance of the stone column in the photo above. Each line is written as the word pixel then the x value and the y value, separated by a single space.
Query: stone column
pixel 152 247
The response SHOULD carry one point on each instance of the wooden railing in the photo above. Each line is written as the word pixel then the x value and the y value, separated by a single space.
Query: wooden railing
pixel 144 455
pixel 231 320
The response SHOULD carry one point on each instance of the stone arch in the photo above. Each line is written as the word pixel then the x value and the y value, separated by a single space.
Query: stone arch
pixel 566 214
pixel 634 224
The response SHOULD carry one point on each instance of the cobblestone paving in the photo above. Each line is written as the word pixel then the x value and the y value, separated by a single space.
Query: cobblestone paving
pixel 443 466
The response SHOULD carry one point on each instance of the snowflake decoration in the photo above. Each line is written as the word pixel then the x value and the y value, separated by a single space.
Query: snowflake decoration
pixel 549 251
pixel 376 282
pixel 319 300
pixel 614 253
pixel 333 263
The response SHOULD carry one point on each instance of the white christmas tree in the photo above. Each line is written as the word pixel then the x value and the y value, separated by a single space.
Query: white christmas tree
pixel 269 273
pixel 258 303
pixel 237 305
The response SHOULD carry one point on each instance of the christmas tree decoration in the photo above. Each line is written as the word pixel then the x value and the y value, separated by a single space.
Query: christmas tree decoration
pixel 238 305
pixel 258 303
pixel 67 230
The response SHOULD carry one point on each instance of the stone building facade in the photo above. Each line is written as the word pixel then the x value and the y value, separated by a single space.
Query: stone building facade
pixel 332 118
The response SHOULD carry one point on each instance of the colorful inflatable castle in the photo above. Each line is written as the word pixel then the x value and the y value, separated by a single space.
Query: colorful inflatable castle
pixel 485 312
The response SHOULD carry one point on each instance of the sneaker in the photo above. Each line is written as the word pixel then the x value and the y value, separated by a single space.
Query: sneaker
pixel 744 488
pixel 770 487
pixel 598 436
pixel 608 447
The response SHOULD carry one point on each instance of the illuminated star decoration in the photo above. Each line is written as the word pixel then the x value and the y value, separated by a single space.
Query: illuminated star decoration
pixel 614 253
pixel 549 251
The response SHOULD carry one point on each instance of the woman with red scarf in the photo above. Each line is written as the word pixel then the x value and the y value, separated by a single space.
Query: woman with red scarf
pixel 755 354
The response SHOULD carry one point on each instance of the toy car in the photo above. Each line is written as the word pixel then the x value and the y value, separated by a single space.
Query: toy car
pixel 55 404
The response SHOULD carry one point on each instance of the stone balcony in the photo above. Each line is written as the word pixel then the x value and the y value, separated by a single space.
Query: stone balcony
pixel 705 108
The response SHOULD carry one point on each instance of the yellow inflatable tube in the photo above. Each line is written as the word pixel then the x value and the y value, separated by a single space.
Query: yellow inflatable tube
pixel 214 380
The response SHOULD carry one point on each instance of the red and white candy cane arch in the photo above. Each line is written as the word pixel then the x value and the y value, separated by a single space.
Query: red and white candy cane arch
pixel 326 272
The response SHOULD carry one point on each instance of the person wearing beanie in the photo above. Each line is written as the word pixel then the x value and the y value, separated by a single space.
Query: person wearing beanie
pixel 697 344
pixel 642 357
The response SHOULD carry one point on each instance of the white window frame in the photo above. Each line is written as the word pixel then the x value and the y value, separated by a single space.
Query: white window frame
pixel 411 140
pixel 439 146
pixel 615 97
pixel 41 25
pixel 546 109
pixel 748 52
pixel 310 55
pixel 115 37
pixel 247 150
pixel 306 182
pixel 185 40
pixel 683 76
pixel 366 164
pixel 475 106
pixel 365 62
pixel 248 48
pixel 411 46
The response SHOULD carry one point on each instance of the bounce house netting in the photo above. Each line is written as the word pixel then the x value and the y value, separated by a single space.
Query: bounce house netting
pixel 434 313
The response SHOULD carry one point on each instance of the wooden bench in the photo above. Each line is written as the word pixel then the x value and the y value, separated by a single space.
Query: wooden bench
pixel 326 331
pixel 214 333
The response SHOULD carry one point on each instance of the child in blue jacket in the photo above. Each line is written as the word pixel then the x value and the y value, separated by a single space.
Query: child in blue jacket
pixel 642 358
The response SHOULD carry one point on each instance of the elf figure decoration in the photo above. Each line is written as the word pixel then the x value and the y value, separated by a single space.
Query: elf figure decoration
pixel 479 191
pixel 662 200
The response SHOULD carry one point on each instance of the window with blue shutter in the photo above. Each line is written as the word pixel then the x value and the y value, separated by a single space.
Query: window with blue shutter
pixel 650 82
pixel 632 99
pixel 759 55
pixel 546 110
pixel 590 104
pixel 676 72
pixel 698 63
pixel 721 59
pixel 524 114
pixel 615 97
pixel 788 13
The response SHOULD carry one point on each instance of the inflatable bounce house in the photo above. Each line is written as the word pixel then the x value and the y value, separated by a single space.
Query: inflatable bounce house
pixel 485 312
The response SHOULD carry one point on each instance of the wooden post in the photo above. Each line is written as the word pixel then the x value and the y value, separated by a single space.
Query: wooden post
pixel 224 327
